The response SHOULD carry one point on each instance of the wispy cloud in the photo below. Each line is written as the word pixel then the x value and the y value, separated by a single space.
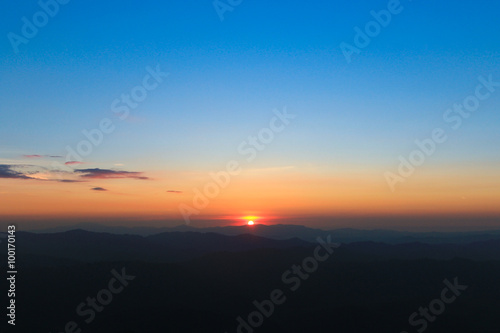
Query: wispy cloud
pixel 271 169
pixel 174 191
pixel 41 156
pixel 97 173
pixel 73 163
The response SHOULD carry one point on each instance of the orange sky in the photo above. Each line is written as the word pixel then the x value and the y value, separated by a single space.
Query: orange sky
pixel 274 195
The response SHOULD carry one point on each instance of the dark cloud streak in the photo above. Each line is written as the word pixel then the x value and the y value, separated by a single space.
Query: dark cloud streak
pixel 97 173
pixel 98 189
pixel 7 172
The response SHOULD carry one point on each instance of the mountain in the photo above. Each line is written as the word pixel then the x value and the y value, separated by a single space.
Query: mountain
pixel 210 293
pixel 283 231
pixel 85 246
pixel 89 246
pixel 204 282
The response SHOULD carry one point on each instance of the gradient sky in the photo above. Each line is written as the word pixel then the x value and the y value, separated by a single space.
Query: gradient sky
pixel 225 78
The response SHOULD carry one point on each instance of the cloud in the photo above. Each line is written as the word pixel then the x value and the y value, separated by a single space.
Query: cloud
pixel 41 156
pixel 7 172
pixel 98 189
pixel 174 191
pixel 271 169
pixel 73 163
pixel 97 173
pixel 32 172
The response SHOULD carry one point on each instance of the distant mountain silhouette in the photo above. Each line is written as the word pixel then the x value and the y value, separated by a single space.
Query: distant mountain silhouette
pixel 85 246
pixel 88 246
pixel 283 231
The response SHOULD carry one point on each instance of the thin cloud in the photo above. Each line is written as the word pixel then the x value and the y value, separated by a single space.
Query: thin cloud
pixel 73 163
pixel 174 191
pixel 97 173
pixel 98 189
pixel 42 156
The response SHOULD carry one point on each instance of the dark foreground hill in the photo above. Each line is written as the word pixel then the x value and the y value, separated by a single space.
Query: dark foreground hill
pixel 125 284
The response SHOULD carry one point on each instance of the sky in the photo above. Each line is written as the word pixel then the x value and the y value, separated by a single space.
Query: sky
pixel 217 112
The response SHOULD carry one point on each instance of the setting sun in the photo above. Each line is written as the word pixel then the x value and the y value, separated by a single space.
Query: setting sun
pixel 250 223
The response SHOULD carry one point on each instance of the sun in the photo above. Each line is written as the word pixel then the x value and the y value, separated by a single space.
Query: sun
pixel 250 223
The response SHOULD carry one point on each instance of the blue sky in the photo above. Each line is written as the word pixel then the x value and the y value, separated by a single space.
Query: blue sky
pixel 225 78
